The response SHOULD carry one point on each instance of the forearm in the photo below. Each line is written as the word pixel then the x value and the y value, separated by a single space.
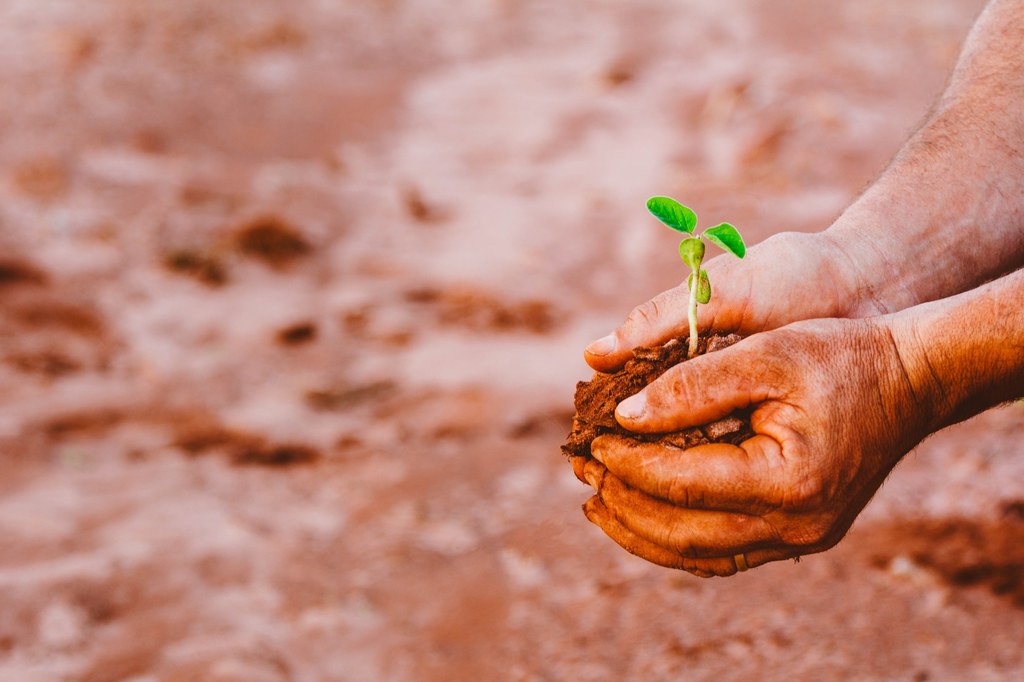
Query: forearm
pixel 964 354
pixel 947 214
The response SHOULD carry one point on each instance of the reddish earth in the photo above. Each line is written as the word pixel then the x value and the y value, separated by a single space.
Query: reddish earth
pixel 293 298
pixel 596 400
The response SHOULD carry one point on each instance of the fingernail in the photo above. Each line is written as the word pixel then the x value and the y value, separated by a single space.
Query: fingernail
pixel 591 478
pixel 632 408
pixel 603 346
pixel 597 453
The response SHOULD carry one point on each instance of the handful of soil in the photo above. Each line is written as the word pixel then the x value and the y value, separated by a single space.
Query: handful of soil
pixel 597 399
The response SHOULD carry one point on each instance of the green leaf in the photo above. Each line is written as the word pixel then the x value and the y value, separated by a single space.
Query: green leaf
pixel 672 213
pixel 727 237
pixel 691 250
pixel 703 286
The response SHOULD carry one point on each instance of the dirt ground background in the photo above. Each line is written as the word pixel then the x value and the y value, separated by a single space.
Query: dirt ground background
pixel 293 300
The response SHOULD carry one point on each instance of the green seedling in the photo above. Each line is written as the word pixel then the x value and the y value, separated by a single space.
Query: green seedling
pixel 691 250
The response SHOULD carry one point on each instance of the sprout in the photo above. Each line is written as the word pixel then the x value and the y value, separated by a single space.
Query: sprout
pixel 691 250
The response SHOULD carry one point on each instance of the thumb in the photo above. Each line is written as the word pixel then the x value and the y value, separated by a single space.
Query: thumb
pixel 700 390
pixel 654 322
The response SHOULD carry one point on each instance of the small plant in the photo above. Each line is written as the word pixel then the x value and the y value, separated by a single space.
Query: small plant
pixel 691 250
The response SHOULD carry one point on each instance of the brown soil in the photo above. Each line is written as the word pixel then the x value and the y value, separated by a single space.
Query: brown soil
pixel 292 295
pixel 596 400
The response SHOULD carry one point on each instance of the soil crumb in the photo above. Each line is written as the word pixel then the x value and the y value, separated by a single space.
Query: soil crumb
pixel 348 396
pixel 296 334
pixel 276 455
pixel 597 399
pixel 273 241
pixel 477 310
pixel 418 208
pixel 204 267
pixel 964 553
pixel 203 435
pixel 19 272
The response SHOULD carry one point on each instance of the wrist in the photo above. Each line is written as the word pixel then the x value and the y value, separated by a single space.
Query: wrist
pixel 964 354
pixel 867 262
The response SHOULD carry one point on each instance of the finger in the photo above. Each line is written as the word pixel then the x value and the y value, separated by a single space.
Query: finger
pixel 703 389
pixel 760 557
pixel 744 478
pixel 654 322
pixel 688 532
pixel 599 515
pixel 578 465
pixel 730 566
pixel 592 473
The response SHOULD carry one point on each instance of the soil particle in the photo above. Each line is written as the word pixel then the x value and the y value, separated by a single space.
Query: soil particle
pixel 272 241
pixel 204 267
pixel 296 334
pixel 242 448
pixel 597 399
pixel 276 455
pixel 418 208
pixel 20 272
pixel 52 364
pixel 964 553
pixel 349 395
pixel 478 310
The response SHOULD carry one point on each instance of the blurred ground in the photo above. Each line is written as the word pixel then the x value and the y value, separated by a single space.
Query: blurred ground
pixel 293 296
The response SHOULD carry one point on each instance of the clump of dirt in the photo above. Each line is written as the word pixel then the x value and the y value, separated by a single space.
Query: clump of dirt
pixel 20 272
pixel 53 364
pixel 597 399
pixel 964 553
pixel 205 267
pixel 477 310
pixel 417 206
pixel 276 455
pixel 272 241
pixel 302 332
pixel 349 395
pixel 202 435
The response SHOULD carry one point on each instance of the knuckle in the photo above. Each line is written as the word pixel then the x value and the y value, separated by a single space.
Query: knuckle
pixel 644 314
pixel 810 534
pixel 683 546
pixel 697 568
pixel 676 490
pixel 678 385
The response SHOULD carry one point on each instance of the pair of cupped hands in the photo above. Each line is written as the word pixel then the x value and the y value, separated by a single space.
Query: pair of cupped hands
pixel 824 369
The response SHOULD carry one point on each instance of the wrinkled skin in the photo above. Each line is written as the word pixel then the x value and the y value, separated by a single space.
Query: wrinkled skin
pixel 808 268
pixel 793 489
pixel 837 402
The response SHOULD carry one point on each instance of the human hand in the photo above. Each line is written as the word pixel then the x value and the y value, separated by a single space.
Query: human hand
pixel 789 277
pixel 837 406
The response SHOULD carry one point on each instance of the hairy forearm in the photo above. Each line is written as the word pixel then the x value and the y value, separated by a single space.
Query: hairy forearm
pixel 948 213
pixel 964 354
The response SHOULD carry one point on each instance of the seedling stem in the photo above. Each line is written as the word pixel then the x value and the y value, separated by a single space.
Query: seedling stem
pixel 691 251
